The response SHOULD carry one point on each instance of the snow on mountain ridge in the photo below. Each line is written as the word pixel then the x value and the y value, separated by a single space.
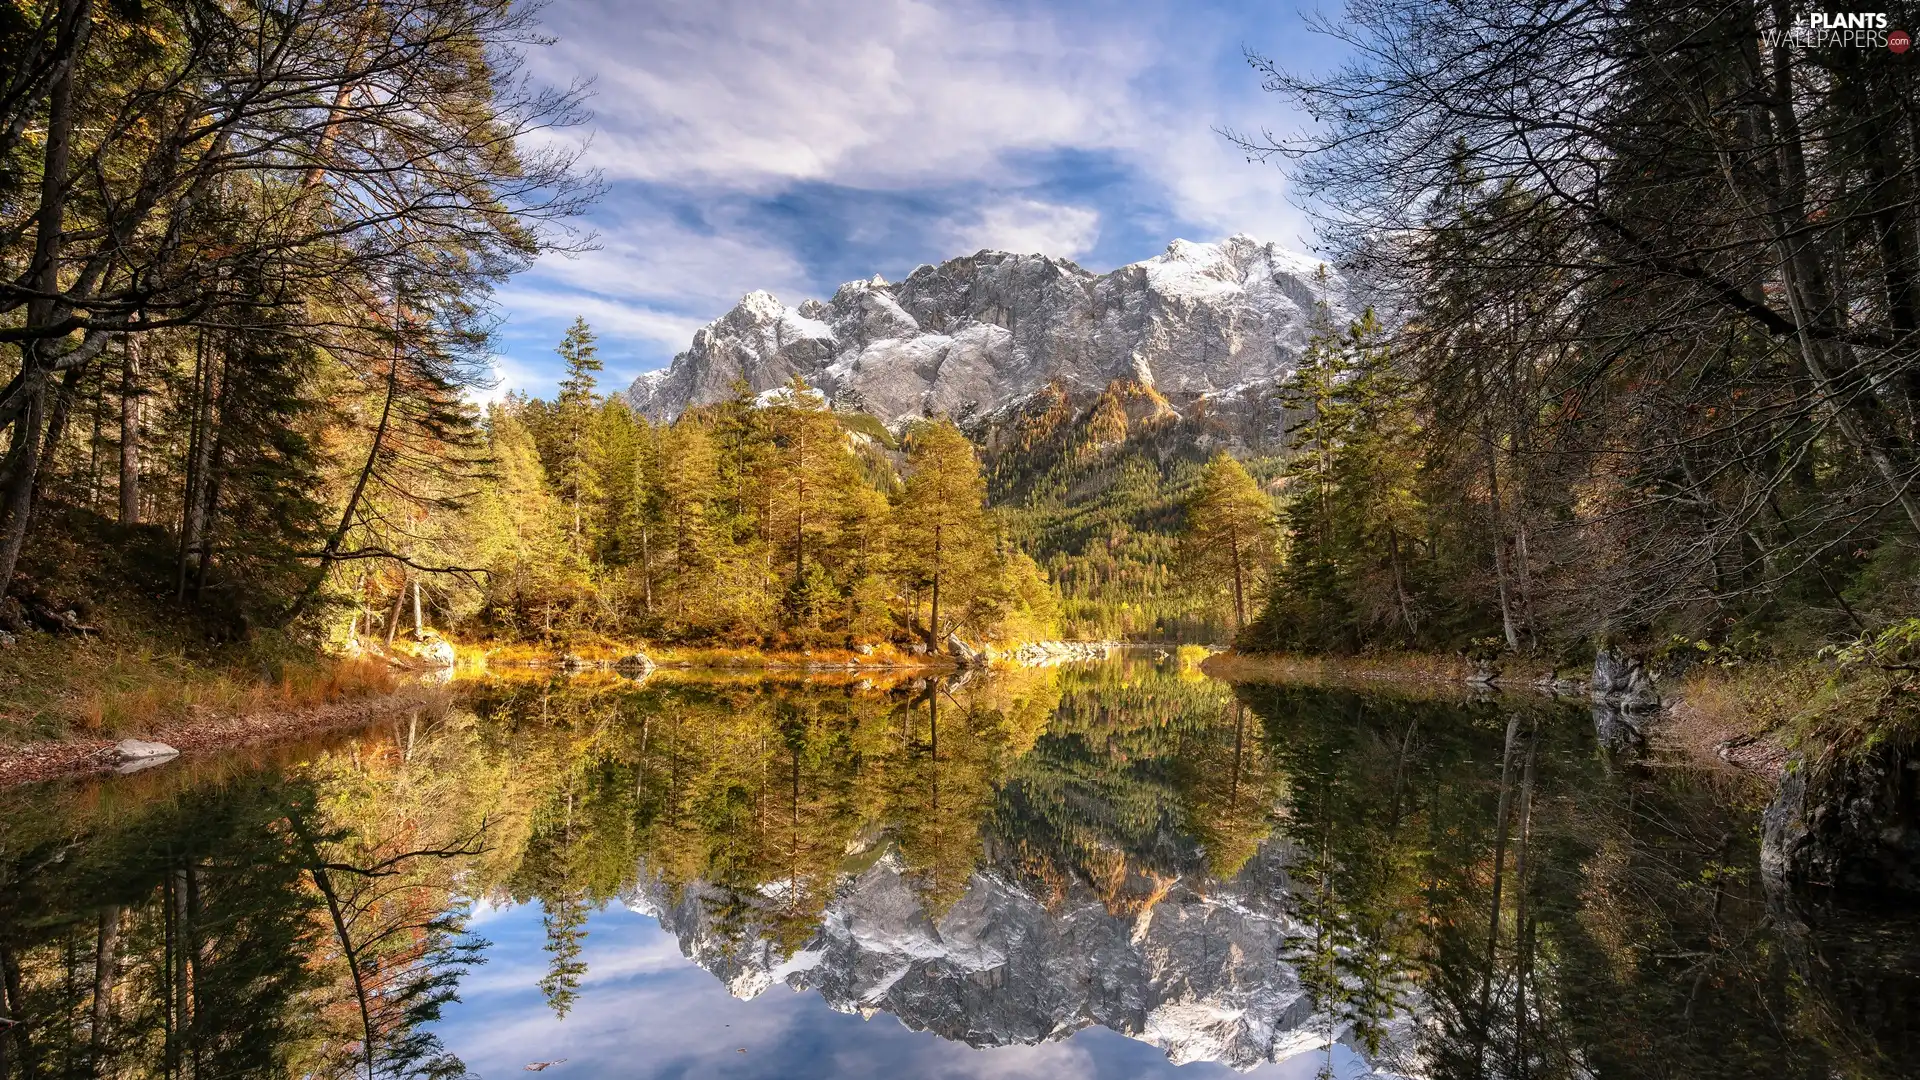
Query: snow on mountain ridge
pixel 977 332
pixel 1200 973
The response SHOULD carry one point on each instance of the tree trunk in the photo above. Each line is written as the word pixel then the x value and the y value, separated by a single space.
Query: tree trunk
pixel 1400 582
pixel 933 626
pixel 393 617
pixel 1499 869
pixel 106 968
pixel 192 508
pixel 419 624
pixel 1520 910
pixel 1239 595
pixel 75 18
pixel 23 470
pixel 16 1005
pixel 210 493
pixel 336 911
pixel 646 568
pixel 57 420
pixel 339 536
pixel 1500 551
pixel 130 433
pixel 93 442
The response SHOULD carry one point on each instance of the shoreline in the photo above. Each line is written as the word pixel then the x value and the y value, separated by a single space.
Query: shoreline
pixel 1694 718
pixel 50 759
pixel 55 759
pixel 618 656
pixel 1426 669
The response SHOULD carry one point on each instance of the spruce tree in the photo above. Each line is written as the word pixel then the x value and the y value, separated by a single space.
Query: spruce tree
pixel 573 426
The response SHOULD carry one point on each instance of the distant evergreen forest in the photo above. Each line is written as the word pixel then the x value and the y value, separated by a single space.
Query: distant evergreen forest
pixel 767 520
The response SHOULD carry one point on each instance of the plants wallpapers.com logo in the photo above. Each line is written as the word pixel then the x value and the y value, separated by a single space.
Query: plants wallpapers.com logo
pixel 1840 30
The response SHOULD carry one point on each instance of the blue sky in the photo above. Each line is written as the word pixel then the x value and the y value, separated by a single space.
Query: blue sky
pixel 645 1011
pixel 791 145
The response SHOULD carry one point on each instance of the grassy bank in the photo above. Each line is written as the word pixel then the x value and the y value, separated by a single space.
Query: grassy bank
pixel 55 687
pixel 1760 716
pixel 1756 716
pixel 65 701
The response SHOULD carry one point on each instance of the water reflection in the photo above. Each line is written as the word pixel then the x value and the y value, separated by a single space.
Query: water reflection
pixel 1285 878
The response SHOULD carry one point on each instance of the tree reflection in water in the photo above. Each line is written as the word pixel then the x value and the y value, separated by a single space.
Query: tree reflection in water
pixel 1452 888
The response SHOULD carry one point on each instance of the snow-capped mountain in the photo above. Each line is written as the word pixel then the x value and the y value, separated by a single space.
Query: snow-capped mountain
pixel 978 333
pixel 1198 972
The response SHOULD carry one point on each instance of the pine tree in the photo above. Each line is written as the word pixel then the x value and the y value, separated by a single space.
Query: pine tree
pixel 941 535
pixel 811 465
pixel 514 526
pixel 1376 481
pixel 575 471
pixel 615 455
pixel 688 478
pixel 1229 536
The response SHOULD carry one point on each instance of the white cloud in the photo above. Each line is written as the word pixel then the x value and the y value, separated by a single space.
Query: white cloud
pixel 708 106
pixel 1028 226
pixel 750 94
pixel 669 264
pixel 626 319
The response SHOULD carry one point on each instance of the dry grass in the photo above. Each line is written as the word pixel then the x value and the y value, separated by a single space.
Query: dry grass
pixel 1760 716
pixel 1717 707
pixel 52 688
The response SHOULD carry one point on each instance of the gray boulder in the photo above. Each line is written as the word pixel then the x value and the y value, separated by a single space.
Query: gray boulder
pixel 1849 822
pixel 964 654
pixel 138 754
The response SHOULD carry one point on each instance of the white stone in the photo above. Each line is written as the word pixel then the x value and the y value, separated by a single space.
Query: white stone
pixel 138 754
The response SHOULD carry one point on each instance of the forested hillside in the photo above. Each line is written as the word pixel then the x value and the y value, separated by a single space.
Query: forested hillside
pixel 1096 489
pixel 768 520
pixel 1649 364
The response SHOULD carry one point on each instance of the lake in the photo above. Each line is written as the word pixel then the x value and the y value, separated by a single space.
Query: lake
pixel 1118 869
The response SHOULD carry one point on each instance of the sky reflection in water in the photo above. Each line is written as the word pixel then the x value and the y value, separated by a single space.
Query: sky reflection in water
pixel 1042 864
pixel 646 1011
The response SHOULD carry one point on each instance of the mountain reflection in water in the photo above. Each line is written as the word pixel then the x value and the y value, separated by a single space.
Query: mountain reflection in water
pixel 1098 870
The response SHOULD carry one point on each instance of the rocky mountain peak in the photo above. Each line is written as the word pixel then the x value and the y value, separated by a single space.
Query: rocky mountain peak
pixel 1198 969
pixel 981 333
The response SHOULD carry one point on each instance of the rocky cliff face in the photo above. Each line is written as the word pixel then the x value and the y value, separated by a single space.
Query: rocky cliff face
pixel 977 334
pixel 1198 973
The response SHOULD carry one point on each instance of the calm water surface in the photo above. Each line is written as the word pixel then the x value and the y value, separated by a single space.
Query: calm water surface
pixel 1111 870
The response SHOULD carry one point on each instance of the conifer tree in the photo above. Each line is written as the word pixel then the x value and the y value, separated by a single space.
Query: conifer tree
pixel 575 471
pixel 688 478
pixel 941 534
pixel 811 466
pixel 1376 480
pixel 1229 532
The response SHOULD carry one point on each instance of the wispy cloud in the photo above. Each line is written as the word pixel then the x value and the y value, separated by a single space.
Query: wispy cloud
pixel 792 144
pixel 1030 226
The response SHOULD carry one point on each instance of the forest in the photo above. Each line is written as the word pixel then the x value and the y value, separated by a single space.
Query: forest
pixel 1642 365
pixel 768 520
pixel 250 259
pixel 1637 364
